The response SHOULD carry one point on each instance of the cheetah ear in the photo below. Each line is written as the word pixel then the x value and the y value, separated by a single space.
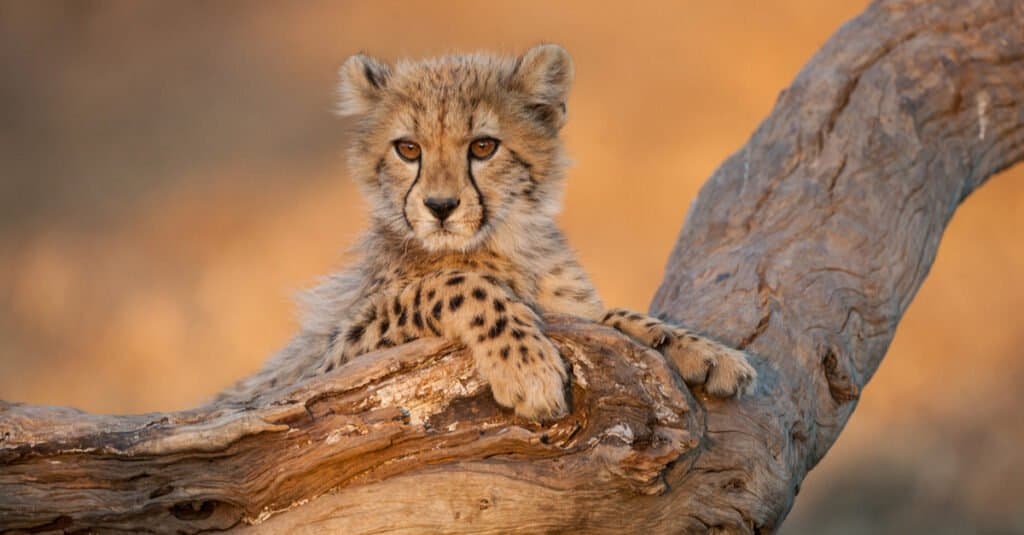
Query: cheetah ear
pixel 363 80
pixel 544 74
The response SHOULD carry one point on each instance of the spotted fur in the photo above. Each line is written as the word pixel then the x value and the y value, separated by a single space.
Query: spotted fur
pixel 482 275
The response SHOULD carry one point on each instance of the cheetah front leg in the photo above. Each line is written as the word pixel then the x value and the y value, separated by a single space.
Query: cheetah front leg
pixel 723 371
pixel 522 366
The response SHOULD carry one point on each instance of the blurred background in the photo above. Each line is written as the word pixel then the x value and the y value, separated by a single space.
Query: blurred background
pixel 170 174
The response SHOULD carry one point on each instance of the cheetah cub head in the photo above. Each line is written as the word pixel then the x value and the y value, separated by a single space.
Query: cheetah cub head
pixel 459 152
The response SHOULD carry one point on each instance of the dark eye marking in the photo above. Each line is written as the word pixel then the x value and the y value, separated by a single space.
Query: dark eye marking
pixel 410 152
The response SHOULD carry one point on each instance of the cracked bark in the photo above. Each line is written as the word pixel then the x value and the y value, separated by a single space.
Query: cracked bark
pixel 805 247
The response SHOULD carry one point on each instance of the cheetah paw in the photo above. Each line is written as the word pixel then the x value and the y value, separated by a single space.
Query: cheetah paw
pixel 529 376
pixel 724 371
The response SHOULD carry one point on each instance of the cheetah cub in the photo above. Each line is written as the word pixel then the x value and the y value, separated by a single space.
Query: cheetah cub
pixel 461 161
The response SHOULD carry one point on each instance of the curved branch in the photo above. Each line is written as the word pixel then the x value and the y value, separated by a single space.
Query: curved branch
pixel 804 248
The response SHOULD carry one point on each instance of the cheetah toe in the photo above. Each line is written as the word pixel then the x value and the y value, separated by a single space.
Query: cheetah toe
pixel 724 372
pixel 532 381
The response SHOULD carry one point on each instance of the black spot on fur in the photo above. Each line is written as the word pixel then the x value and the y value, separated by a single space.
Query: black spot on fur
pixel 417 320
pixel 492 279
pixel 433 328
pixel 396 307
pixel 328 369
pixel 385 342
pixel 519 321
pixel 406 338
pixel 504 352
pixel 355 334
pixel 517 334
pixel 436 311
pixel 455 302
pixel 384 326
pixel 478 321
pixel 498 327
pixel 431 294
pixel 402 318
pixel 499 306
pixel 416 299
pixel 479 294
pixel 519 159
pixel 458 279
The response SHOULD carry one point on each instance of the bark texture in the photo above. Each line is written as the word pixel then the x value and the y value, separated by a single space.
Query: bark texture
pixel 804 249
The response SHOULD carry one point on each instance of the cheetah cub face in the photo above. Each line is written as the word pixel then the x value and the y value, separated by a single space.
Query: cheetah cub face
pixel 458 151
pixel 461 161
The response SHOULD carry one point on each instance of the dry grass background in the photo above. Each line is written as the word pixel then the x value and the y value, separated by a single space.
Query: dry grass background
pixel 170 173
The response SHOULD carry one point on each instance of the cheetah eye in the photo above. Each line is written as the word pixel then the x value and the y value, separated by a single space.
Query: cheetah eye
pixel 483 148
pixel 407 150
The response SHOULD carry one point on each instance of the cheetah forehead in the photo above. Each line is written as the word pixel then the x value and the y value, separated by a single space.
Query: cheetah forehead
pixel 435 115
pixel 454 90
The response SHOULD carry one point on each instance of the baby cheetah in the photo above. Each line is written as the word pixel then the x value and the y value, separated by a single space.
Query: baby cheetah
pixel 461 161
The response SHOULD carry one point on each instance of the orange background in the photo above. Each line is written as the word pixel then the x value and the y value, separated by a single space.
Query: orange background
pixel 171 172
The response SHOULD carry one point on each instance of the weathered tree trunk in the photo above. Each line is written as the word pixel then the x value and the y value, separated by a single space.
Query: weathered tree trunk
pixel 804 248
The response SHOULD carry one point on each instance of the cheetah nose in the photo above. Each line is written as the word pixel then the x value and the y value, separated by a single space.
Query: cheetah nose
pixel 441 208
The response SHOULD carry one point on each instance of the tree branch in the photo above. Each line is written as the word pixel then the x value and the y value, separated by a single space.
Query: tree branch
pixel 804 248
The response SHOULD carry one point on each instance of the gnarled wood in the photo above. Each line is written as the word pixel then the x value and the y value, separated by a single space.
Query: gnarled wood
pixel 804 248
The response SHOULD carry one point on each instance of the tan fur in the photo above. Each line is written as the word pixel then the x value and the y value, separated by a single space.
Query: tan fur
pixel 483 275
